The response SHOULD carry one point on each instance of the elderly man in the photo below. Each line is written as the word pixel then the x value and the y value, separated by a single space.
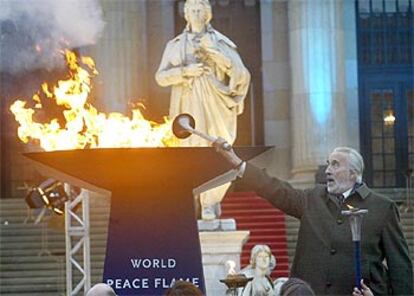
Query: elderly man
pixel 208 80
pixel 324 251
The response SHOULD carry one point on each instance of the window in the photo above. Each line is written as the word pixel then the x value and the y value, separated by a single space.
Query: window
pixel 385 68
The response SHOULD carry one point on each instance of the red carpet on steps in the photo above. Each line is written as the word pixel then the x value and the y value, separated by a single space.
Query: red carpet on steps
pixel 265 223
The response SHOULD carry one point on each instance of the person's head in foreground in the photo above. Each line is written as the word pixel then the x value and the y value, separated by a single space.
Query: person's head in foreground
pixel 183 288
pixel 101 290
pixel 296 287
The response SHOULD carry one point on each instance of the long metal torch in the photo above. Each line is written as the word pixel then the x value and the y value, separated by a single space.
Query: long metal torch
pixel 355 216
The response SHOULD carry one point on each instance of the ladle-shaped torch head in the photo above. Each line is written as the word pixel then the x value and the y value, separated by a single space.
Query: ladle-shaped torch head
pixel 183 125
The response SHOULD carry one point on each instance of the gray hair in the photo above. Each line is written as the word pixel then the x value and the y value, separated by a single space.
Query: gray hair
pixel 355 161
pixel 206 5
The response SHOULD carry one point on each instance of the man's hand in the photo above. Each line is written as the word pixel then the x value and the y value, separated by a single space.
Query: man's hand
pixel 366 291
pixel 193 70
pixel 229 155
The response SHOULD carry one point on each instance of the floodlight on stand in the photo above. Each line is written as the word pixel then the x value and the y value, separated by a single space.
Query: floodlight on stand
pixel 37 196
pixel 34 199
pixel 57 200
pixel 50 194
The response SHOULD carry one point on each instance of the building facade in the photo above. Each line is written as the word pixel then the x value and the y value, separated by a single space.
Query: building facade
pixel 324 74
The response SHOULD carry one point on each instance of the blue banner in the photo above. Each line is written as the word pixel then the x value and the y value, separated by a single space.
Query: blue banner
pixel 152 242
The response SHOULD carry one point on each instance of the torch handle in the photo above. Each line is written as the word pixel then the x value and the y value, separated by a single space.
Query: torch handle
pixel 226 146
pixel 357 253
pixel 202 135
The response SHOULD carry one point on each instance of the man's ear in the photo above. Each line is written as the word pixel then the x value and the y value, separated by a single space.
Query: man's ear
pixel 354 175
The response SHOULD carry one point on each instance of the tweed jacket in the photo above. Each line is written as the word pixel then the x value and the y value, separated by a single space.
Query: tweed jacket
pixel 325 251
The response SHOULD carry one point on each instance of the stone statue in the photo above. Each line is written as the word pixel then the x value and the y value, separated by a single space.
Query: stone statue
pixel 208 80
pixel 262 262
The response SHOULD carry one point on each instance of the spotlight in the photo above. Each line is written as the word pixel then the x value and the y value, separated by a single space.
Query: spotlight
pixel 50 194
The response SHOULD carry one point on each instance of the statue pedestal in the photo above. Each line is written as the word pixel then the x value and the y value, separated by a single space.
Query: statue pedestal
pixel 216 248
pixel 217 225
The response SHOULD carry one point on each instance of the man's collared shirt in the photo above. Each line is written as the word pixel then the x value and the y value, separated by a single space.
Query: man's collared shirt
pixel 347 193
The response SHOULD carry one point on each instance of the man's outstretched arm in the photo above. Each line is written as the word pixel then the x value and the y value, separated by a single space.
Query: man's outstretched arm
pixel 279 193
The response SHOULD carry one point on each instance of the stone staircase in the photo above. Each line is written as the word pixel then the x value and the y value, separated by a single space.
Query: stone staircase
pixel 32 257
pixel 265 223
pixel 30 265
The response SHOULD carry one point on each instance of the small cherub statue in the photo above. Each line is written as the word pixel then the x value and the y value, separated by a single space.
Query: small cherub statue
pixel 262 262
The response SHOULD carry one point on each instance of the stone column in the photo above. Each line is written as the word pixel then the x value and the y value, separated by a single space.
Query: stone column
pixel 351 73
pixel 276 85
pixel 318 98
pixel 121 56
pixel 161 29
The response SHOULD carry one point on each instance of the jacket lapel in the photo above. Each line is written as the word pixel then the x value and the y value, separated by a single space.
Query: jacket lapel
pixel 323 226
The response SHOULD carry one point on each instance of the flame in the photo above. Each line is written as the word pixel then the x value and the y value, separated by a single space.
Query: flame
pixel 85 126
pixel 231 267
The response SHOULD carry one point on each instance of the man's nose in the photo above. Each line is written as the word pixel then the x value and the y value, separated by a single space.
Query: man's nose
pixel 328 169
